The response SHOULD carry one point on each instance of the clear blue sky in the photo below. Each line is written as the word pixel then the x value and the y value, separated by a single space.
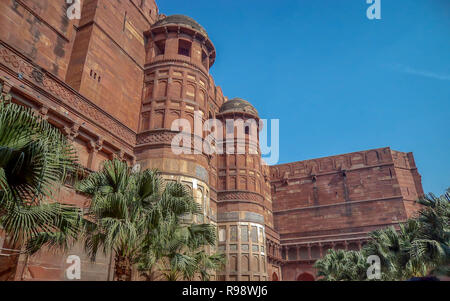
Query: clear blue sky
pixel 337 81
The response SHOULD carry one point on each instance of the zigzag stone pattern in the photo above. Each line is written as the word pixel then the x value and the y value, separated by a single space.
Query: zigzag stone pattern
pixel 240 195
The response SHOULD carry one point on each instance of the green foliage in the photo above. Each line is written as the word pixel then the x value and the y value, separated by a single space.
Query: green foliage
pixel 433 244
pixel 118 213
pixel 34 160
pixel 177 251
pixel 394 249
pixel 340 265
pixel 419 247
pixel 138 216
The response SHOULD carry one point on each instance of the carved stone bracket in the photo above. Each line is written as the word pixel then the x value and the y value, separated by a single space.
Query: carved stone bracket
pixel 44 111
pixel 120 155
pixel 72 132
pixel 5 87
pixel 96 146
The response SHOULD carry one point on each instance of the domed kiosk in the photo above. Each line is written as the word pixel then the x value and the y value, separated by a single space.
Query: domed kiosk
pixel 238 105
pixel 181 37
pixel 180 20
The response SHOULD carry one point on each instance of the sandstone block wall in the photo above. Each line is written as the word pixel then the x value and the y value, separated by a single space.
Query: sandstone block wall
pixel 115 80
pixel 334 202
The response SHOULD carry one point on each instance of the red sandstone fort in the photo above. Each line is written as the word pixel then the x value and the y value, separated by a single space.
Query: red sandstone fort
pixel 114 81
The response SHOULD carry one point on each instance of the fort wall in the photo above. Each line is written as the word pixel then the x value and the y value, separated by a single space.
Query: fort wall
pixel 114 82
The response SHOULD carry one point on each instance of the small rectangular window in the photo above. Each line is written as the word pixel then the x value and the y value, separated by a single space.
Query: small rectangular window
pixel 244 233
pixel 184 48
pixel 204 59
pixel 230 127
pixel 160 47
pixel 261 235
pixel 222 234
pixel 233 233
pixel 254 234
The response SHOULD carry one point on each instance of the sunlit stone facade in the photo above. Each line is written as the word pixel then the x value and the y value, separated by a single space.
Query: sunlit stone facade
pixel 114 82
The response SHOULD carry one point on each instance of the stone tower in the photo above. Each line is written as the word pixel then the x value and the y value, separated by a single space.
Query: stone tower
pixel 242 207
pixel 177 86
pixel 115 80
pixel 232 188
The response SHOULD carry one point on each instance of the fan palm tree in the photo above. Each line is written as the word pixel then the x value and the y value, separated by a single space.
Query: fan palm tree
pixel 418 247
pixel 206 263
pixel 176 250
pixel 341 265
pixel 184 255
pixel 34 160
pixel 137 217
pixel 120 204
pixel 433 244
pixel 394 250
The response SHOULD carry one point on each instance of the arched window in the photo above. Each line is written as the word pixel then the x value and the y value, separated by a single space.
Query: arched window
pixel 245 263
pixel 175 90
pixel 162 89
pixel 275 277
pixel 305 277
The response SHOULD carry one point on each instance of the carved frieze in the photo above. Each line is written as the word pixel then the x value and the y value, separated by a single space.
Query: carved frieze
pixel 64 94
pixel 240 195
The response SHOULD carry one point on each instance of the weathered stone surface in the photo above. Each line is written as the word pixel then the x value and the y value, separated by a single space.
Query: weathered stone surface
pixel 114 82
pixel 336 201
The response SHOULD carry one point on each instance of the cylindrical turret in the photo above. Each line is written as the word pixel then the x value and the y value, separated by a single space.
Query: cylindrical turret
pixel 177 83
pixel 241 200
pixel 180 38
pixel 177 86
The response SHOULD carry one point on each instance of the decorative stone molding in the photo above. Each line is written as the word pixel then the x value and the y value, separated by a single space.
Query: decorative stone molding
pixel 64 94
pixel 120 155
pixel 38 76
pixel 317 167
pixel 5 87
pixel 240 195
pixel 156 137
pixel 163 137
pixel 169 62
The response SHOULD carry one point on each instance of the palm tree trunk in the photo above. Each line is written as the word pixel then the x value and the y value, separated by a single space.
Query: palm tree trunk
pixel 122 268
pixel 149 275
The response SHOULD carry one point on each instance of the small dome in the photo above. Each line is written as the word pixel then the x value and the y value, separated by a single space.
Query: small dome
pixel 238 105
pixel 181 20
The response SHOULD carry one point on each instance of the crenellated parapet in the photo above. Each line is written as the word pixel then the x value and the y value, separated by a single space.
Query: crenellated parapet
pixel 333 164
pixel 334 202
